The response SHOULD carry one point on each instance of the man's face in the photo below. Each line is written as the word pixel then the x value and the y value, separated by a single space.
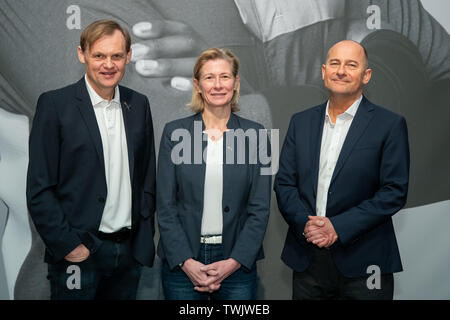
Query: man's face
pixel 105 63
pixel 345 72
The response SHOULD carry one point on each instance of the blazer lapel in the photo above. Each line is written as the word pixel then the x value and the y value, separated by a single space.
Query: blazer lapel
pixel 87 112
pixel 127 111
pixel 228 146
pixel 198 167
pixel 315 132
pixel 357 128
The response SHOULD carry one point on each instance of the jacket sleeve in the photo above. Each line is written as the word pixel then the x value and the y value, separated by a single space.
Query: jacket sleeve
pixel 173 237
pixel 150 176
pixel 390 197
pixel 250 239
pixel 42 181
pixel 291 206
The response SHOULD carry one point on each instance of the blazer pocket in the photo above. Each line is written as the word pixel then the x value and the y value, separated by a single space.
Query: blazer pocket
pixel 373 146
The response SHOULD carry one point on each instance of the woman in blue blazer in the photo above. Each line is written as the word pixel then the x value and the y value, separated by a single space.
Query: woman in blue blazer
pixel 213 195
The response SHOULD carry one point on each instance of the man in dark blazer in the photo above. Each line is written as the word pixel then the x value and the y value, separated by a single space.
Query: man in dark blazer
pixel 91 175
pixel 343 173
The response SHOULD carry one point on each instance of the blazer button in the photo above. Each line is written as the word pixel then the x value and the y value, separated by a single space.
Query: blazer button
pixel 101 199
pixel 226 209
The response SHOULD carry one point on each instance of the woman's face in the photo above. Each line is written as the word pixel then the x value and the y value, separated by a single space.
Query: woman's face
pixel 217 83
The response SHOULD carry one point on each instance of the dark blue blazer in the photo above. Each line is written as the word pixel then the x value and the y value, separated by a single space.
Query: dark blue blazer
pixel 368 186
pixel 66 183
pixel 245 199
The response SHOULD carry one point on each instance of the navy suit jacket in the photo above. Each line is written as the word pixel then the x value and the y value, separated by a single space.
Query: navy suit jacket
pixel 66 183
pixel 245 199
pixel 368 186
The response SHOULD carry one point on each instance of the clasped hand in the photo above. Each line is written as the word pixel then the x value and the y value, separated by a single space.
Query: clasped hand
pixel 320 231
pixel 207 278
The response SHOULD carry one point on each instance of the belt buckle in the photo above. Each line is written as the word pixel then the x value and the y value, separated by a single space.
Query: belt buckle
pixel 210 239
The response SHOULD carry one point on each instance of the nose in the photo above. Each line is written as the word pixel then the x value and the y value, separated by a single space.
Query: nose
pixel 341 70
pixel 218 83
pixel 109 63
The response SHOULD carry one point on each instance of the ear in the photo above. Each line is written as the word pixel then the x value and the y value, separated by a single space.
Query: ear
pixel 81 56
pixel 196 84
pixel 323 72
pixel 237 82
pixel 367 76
pixel 129 56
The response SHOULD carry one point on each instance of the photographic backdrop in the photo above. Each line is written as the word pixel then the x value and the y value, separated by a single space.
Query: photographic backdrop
pixel 281 46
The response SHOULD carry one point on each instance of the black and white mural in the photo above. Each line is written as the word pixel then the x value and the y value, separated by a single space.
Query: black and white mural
pixel 281 45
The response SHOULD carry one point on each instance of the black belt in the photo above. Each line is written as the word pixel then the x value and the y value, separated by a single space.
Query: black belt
pixel 118 236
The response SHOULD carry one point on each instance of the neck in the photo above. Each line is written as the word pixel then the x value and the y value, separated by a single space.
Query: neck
pixel 107 94
pixel 216 118
pixel 339 104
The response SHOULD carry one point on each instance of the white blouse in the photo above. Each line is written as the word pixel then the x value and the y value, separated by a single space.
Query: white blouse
pixel 212 199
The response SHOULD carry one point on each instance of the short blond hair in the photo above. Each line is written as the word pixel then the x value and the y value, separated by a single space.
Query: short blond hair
pixel 197 102
pixel 100 28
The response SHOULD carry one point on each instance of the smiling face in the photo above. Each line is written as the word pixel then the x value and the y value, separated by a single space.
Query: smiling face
pixel 105 63
pixel 345 72
pixel 216 83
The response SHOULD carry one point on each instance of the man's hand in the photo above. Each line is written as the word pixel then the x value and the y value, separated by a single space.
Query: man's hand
pixel 320 231
pixel 78 254
pixel 168 49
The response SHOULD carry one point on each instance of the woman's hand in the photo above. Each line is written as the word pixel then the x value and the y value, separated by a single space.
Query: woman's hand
pixel 218 271
pixel 198 277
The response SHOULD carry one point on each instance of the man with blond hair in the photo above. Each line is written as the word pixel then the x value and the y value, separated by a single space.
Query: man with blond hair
pixel 91 175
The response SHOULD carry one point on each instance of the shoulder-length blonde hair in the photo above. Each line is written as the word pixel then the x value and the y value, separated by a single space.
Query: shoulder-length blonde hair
pixel 197 102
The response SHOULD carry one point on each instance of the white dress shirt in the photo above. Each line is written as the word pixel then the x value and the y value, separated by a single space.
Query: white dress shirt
pixel 212 219
pixel 117 211
pixel 333 138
